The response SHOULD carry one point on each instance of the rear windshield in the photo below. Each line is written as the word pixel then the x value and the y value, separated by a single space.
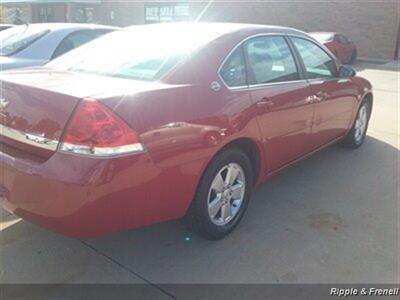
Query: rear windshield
pixel 322 37
pixel 142 53
pixel 18 38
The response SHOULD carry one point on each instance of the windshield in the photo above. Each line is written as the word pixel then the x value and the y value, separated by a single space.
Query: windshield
pixel 142 53
pixel 18 38
pixel 322 37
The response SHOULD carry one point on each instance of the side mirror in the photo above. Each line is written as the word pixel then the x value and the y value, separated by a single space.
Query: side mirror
pixel 346 72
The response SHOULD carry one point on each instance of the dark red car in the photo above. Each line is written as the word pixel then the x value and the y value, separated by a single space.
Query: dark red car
pixel 340 45
pixel 161 122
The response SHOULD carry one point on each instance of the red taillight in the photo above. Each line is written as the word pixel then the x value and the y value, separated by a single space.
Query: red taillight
pixel 94 130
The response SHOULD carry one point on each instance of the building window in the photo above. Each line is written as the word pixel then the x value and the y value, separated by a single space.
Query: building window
pixel 46 14
pixel 166 12
pixel 84 14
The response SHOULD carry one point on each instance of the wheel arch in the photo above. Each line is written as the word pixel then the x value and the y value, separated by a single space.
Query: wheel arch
pixel 251 149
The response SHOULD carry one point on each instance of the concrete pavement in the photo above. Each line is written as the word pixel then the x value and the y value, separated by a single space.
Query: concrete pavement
pixel 333 218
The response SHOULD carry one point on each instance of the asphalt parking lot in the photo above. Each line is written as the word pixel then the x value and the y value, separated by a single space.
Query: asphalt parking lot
pixel 333 218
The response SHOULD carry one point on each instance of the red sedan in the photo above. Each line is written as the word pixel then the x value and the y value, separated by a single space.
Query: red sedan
pixel 160 122
pixel 341 46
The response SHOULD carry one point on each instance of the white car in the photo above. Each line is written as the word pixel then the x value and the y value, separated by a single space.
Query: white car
pixel 36 44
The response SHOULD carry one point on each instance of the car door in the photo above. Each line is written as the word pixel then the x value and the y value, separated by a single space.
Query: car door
pixel 281 97
pixel 334 98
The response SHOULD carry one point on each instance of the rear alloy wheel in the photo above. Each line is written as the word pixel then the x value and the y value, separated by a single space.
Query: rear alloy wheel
pixel 222 196
pixel 356 136
pixel 226 194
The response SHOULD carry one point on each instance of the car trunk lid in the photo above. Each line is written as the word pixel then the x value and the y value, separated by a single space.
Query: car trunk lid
pixel 36 104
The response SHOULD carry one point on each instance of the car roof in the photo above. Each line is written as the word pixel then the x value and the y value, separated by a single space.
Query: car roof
pixel 60 26
pixel 220 28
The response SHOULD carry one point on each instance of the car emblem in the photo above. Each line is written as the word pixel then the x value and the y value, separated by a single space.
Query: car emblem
pixel 39 139
pixel 215 86
pixel 3 103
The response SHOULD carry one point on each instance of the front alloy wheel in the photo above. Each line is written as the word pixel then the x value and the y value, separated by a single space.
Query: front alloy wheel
pixel 356 135
pixel 360 126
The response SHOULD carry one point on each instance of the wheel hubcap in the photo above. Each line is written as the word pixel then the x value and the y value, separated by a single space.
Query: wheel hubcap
pixel 226 194
pixel 361 124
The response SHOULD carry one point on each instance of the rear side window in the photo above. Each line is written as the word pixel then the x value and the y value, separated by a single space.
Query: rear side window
pixel 233 72
pixel 317 62
pixel 74 40
pixel 342 39
pixel 270 60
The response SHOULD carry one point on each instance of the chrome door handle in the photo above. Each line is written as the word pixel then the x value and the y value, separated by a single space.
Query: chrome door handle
pixel 265 102
pixel 310 99
pixel 261 104
pixel 321 96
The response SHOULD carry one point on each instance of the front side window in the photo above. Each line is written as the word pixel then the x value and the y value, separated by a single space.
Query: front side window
pixel 18 38
pixel 234 71
pixel 270 60
pixel 317 62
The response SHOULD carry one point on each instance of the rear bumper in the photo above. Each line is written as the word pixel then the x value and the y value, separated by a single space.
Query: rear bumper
pixel 79 196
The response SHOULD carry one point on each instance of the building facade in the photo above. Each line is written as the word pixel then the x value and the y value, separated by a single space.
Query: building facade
pixel 374 25
pixel 40 11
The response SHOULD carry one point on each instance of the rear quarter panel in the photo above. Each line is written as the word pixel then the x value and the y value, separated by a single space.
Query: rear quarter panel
pixel 183 125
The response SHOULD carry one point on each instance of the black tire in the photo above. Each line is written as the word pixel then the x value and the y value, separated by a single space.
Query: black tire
pixel 197 218
pixel 351 141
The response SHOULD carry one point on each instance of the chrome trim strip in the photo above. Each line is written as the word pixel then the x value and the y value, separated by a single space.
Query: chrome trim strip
pixel 105 152
pixel 29 139
pixel 261 85
pixel 249 86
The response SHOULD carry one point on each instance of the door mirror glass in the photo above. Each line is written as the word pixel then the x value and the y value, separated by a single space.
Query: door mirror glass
pixel 346 72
